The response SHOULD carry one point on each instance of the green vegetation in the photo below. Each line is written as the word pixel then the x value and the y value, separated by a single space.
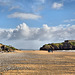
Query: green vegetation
pixel 59 46
pixel 11 47
pixel 7 48
pixel 72 43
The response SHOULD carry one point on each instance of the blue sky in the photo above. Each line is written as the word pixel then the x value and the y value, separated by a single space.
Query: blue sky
pixel 44 17
pixel 49 15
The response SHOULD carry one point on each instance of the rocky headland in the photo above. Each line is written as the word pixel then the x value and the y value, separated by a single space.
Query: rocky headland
pixel 6 48
pixel 66 45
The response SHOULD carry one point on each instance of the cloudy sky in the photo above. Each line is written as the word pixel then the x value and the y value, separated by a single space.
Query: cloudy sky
pixel 28 24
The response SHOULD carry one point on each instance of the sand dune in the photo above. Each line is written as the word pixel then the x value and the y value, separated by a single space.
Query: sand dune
pixel 37 63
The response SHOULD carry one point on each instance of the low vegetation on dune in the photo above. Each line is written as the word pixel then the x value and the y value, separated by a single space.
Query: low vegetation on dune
pixel 66 45
pixel 6 48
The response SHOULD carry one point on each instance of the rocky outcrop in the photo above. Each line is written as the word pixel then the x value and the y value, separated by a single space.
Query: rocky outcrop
pixel 66 45
pixel 6 48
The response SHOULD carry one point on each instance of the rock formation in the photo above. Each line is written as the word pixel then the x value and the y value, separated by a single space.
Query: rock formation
pixel 6 48
pixel 66 45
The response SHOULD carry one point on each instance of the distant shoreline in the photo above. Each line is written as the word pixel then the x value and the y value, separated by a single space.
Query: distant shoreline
pixel 28 49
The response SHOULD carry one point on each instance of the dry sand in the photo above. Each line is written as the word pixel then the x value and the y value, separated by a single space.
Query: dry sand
pixel 37 63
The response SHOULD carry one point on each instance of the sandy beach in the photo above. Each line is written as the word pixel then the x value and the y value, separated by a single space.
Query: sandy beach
pixel 37 63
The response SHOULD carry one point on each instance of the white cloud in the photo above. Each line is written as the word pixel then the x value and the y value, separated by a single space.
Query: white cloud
pixel 24 16
pixel 71 20
pixel 45 33
pixel 14 7
pixel 57 5
pixel 65 25
pixel 5 2
pixel 30 36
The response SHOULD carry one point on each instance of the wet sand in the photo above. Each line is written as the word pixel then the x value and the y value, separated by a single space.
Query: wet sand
pixel 37 63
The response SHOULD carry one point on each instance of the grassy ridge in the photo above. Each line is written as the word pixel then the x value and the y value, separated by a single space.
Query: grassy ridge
pixel 7 48
pixel 59 46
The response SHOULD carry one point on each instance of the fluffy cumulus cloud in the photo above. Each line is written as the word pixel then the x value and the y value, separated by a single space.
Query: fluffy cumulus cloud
pixel 57 5
pixel 24 16
pixel 42 34
pixel 26 37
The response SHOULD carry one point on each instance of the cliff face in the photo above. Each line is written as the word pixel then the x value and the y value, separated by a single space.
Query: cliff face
pixel 66 45
pixel 6 48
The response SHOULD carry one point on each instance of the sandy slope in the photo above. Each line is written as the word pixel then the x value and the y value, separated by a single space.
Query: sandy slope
pixel 37 63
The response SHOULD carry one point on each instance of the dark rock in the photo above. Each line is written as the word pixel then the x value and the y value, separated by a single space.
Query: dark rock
pixel 6 48
pixel 66 45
